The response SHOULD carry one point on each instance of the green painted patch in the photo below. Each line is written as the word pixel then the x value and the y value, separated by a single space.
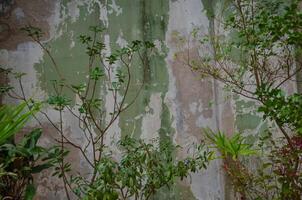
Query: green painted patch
pixel 246 115
pixel 166 131
pixel 68 53
pixel 242 106
pixel 146 21
pixel 143 20
pixel 247 121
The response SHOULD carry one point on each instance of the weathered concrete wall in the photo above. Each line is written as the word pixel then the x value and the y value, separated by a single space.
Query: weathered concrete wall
pixel 175 104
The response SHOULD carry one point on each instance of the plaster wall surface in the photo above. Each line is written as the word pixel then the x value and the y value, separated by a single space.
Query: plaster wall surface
pixel 175 103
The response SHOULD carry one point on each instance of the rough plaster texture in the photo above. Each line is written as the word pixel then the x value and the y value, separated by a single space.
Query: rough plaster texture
pixel 175 104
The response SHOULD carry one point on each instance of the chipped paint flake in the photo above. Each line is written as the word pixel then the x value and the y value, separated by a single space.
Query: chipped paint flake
pixel 115 8
pixel 121 41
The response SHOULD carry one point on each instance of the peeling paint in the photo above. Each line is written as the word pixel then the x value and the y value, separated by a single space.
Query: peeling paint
pixel 28 53
pixel 174 103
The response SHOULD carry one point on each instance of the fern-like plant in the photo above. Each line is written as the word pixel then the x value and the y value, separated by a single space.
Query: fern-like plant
pixel 233 146
pixel 13 118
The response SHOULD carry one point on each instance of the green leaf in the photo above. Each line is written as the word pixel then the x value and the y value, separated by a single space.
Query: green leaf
pixel 58 101
pixel 30 192
pixel 96 73
pixel 13 118
pixel 30 141
pixel 39 168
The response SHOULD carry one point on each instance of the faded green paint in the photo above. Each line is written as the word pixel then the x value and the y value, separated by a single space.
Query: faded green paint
pixel 166 131
pixel 209 8
pixel 243 121
pixel 246 114
pixel 261 132
pixel 247 122
pixel 241 105
pixel 146 21
pixel 141 20
pixel 176 192
pixel 71 60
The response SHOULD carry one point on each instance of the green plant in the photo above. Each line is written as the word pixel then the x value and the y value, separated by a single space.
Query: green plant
pixel 19 162
pixel 257 60
pixel 286 110
pixel 275 175
pixel 233 146
pixel 141 171
pixel 13 118
pixel 143 168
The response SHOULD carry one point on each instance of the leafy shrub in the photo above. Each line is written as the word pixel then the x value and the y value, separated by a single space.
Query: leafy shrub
pixel 257 60
pixel 19 162
pixel 143 168
pixel 141 171
pixel 233 146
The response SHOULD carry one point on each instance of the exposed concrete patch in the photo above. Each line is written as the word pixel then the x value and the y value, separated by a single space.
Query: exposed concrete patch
pixel 26 55
pixel 49 189
pixel 227 118
pixel 103 14
pixel 188 88
pixel 115 8
pixel 207 185
pixel 191 90
pixel 73 10
pixel 121 41
pixel 185 91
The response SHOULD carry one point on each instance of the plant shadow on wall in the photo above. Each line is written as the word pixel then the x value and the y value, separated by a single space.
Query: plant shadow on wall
pixel 138 170
pixel 257 59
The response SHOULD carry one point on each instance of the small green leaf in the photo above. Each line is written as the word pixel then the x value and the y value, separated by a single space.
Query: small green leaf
pixel 30 192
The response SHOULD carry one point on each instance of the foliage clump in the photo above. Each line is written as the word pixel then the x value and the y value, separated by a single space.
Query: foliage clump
pixel 139 170
pixel 258 61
